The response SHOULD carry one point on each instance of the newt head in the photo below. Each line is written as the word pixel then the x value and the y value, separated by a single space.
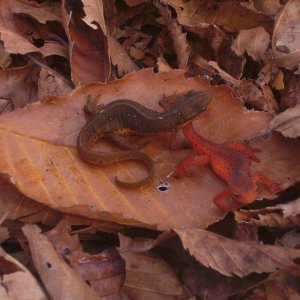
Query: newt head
pixel 191 105
pixel 246 193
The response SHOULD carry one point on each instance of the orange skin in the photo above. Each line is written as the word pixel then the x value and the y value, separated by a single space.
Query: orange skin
pixel 231 162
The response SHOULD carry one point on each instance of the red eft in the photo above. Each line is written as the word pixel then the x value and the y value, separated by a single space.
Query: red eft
pixel 231 162
pixel 123 117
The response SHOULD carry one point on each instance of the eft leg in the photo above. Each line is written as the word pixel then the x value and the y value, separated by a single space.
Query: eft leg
pixel 220 200
pixel 244 149
pixel 271 186
pixel 188 162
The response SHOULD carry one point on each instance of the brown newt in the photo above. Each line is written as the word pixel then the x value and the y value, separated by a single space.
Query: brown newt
pixel 123 117
pixel 230 161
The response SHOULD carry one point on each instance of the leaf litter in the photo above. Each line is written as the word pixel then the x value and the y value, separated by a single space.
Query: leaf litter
pixel 166 239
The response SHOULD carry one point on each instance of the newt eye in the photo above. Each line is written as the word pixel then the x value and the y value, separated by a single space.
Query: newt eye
pixel 235 194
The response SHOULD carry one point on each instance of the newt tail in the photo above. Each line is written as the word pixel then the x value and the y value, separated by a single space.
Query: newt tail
pixel 126 117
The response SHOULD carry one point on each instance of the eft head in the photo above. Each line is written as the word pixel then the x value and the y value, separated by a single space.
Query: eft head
pixel 185 108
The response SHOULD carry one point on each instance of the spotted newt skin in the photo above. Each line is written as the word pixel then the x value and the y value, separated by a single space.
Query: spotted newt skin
pixel 231 162
pixel 126 117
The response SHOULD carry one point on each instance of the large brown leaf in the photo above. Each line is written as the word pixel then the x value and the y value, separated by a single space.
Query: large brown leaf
pixel 230 257
pixel 60 280
pixel 16 281
pixel 279 216
pixel 227 14
pixel 37 157
pixel 286 36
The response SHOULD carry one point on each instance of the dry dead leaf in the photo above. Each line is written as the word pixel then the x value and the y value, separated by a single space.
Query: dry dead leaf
pixel 278 82
pixel 142 244
pixel 94 14
pixel 5 58
pixel 286 36
pixel 149 277
pixel 291 239
pixel 283 284
pixel 120 58
pixel 19 85
pixel 250 93
pixel 280 216
pixel 270 7
pixel 51 84
pixel 230 257
pixel 16 39
pixel 105 271
pixel 287 122
pixel 228 14
pixel 181 46
pixel 39 160
pixel 60 280
pixel 290 96
pixel 254 41
pixel 89 59
pixel 17 281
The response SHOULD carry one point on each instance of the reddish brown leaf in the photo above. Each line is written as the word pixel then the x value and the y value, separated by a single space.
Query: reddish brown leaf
pixel 37 159
pixel 16 281
pixel 283 284
pixel 279 216
pixel 228 14
pixel 105 272
pixel 150 277
pixel 287 122
pixel 286 36
pixel 60 280
pixel 230 257
pixel 255 41
pixel 19 85
pixel 88 48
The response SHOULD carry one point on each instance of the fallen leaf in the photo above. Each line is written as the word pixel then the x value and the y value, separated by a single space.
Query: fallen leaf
pixel 17 281
pixel 283 284
pixel 230 257
pixel 279 216
pixel 251 94
pixel 105 271
pixel 119 57
pixel 51 84
pixel 287 122
pixel 290 96
pixel 5 58
pixel 291 239
pixel 228 14
pixel 286 36
pixel 254 41
pixel 60 280
pixel 278 82
pixel 94 14
pixel 62 181
pixel 13 36
pixel 89 59
pixel 270 7
pixel 149 277
pixel 19 85
pixel 181 46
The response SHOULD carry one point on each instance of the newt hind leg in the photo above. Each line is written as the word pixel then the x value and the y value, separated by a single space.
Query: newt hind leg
pixel 193 160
